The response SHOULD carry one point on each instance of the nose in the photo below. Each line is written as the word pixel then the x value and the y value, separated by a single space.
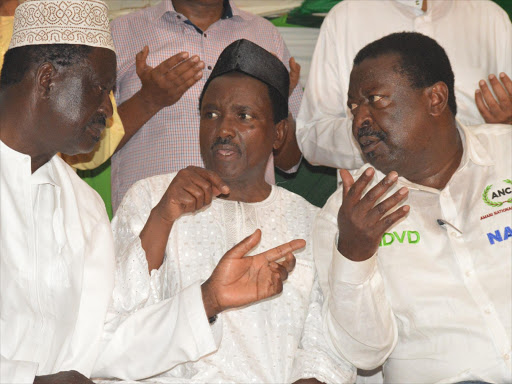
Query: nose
pixel 362 117
pixel 107 105
pixel 226 128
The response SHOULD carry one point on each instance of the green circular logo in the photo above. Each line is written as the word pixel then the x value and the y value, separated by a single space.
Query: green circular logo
pixel 495 204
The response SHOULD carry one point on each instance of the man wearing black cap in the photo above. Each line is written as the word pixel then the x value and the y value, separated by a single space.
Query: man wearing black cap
pixel 192 221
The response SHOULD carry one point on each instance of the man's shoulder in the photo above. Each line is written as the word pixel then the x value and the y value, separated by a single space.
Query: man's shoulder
pixel 495 138
pixel 88 201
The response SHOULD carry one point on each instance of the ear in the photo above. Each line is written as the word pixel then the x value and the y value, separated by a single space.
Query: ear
pixel 438 95
pixel 281 130
pixel 45 77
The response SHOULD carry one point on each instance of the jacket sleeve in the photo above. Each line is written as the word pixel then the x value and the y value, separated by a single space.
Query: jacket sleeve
pixel 357 316
pixel 314 358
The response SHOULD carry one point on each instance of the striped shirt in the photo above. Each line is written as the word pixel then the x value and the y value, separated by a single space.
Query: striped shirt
pixel 170 140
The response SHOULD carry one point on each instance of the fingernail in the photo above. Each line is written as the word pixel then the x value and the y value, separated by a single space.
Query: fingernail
pixel 195 59
pixel 406 208
pixel 393 175
pixel 491 77
pixel 403 191
pixel 482 83
pixel 368 172
pixel 477 91
pixel 502 74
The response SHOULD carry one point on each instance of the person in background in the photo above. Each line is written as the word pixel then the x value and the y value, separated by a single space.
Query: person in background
pixel 170 231
pixel 56 245
pixel 177 43
pixel 477 36
pixel 414 250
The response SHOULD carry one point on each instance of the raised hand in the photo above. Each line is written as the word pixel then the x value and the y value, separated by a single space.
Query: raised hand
pixel 238 280
pixel 495 111
pixel 294 74
pixel 191 189
pixel 66 377
pixel 165 84
pixel 362 222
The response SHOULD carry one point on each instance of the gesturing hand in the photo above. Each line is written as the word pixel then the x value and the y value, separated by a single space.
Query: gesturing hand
pixel 164 85
pixel 294 74
pixel 239 280
pixel 190 190
pixel 66 377
pixel 495 111
pixel 361 222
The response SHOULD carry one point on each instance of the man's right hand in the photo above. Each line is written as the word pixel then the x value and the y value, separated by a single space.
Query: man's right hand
pixel 191 189
pixel 165 84
pixel 362 222
pixel 238 280
pixel 66 377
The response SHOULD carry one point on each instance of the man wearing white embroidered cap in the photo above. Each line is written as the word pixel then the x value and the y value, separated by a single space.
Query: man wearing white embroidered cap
pixel 56 247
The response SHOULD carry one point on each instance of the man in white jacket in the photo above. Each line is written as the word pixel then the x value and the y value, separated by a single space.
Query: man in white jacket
pixel 56 246
pixel 424 288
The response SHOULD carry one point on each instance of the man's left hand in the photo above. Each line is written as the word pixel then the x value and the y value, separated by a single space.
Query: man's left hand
pixel 495 111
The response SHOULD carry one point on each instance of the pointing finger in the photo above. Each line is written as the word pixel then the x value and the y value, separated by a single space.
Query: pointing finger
pixel 279 252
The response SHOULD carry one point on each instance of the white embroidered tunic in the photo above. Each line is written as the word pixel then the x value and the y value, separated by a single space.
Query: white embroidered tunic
pixel 277 340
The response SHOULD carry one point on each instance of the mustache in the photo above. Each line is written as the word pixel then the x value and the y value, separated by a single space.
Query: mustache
pixel 98 119
pixel 366 130
pixel 225 141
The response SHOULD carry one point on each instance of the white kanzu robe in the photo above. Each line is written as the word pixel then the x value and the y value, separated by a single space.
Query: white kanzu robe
pixel 279 340
pixel 56 279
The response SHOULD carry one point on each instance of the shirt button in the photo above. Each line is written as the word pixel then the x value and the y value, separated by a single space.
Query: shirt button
pixel 469 273
pixel 204 34
pixel 487 311
pixel 506 356
pixel 210 67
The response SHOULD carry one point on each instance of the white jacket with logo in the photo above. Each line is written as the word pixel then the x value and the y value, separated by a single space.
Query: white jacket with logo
pixel 433 303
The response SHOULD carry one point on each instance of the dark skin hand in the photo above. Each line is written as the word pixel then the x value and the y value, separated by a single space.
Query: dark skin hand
pixel 499 110
pixel 162 86
pixel 66 377
pixel 239 280
pixel 191 189
pixel 361 222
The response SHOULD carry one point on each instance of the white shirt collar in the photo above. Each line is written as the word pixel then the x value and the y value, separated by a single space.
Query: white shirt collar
pixel 44 175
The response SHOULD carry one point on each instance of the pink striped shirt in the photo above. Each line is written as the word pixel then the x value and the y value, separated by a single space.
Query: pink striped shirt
pixel 170 140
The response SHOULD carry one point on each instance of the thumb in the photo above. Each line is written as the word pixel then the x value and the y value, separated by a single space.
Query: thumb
pixel 140 62
pixel 347 181
pixel 244 247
